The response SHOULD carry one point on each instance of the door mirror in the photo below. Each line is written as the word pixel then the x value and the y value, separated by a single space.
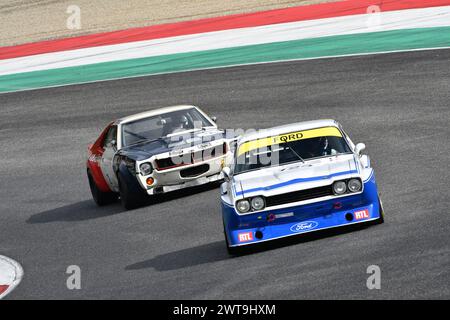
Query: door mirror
pixel 359 147
pixel 226 173
pixel 214 119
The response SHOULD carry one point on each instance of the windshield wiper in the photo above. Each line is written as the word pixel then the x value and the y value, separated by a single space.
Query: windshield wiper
pixel 295 152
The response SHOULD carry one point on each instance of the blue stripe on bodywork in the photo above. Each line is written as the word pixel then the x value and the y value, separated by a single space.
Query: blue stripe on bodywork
pixel 294 181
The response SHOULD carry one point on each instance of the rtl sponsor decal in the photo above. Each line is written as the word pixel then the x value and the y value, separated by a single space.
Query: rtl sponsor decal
pixel 362 214
pixel 245 236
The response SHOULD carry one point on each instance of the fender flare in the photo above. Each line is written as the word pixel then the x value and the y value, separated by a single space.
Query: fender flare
pixel 124 174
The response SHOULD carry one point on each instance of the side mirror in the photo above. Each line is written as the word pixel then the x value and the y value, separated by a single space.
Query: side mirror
pixel 359 147
pixel 226 173
pixel 214 119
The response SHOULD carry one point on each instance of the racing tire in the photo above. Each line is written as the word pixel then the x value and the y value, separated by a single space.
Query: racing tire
pixel 100 198
pixel 130 200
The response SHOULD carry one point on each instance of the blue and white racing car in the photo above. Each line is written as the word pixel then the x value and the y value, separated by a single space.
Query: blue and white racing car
pixel 294 179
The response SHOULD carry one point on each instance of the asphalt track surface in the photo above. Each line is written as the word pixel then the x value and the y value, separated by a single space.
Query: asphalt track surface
pixel 398 104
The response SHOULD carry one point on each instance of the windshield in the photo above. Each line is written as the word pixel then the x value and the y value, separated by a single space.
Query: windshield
pixel 291 147
pixel 162 125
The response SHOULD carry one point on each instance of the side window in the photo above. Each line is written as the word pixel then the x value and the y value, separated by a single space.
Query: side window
pixel 110 136
pixel 197 116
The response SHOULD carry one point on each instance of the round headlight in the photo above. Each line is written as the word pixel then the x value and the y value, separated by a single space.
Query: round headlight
pixel 243 206
pixel 339 187
pixel 146 168
pixel 258 203
pixel 354 185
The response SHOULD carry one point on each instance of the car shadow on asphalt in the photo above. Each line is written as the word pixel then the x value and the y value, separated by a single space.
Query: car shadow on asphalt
pixel 216 251
pixel 79 211
pixel 205 253
pixel 88 210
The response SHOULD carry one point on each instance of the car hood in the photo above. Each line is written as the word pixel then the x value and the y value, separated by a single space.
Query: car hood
pixel 148 149
pixel 296 176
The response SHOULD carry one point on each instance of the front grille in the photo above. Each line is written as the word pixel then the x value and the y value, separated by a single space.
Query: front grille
pixel 165 163
pixel 301 195
pixel 194 171
pixel 194 157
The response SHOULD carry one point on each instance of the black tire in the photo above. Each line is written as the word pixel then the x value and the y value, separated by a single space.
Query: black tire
pixel 100 198
pixel 130 200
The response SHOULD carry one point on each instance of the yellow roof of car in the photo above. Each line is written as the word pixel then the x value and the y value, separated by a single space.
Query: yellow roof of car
pixel 288 137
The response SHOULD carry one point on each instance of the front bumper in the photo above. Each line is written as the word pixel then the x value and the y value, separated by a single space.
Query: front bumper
pixel 274 224
pixel 274 231
pixel 185 184
pixel 171 179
